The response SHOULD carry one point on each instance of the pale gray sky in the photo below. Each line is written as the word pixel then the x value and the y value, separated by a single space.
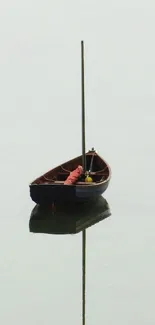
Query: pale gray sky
pixel 40 111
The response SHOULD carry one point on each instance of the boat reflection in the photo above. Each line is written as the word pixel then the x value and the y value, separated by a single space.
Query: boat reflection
pixel 68 218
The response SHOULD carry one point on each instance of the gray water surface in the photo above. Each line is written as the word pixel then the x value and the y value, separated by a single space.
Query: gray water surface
pixel 40 112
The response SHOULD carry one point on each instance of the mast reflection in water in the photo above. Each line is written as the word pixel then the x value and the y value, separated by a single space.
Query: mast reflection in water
pixel 68 218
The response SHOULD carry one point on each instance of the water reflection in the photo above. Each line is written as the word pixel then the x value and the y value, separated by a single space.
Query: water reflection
pixel 68 218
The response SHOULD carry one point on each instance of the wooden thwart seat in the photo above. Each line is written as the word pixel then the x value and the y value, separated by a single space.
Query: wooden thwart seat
pixel 77 183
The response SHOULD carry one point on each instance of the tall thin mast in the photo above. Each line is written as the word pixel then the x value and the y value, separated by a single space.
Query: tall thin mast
pixel 83 107
pixel 84 167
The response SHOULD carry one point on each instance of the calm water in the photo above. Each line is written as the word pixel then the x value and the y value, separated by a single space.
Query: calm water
pixel 40 103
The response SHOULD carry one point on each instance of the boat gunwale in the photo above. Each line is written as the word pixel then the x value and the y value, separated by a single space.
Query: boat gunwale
pixel 78 185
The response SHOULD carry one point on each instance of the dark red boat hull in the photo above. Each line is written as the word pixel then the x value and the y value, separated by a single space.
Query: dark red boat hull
pixel 48 193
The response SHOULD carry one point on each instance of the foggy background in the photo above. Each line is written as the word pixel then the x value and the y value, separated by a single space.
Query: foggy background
pixel 40 127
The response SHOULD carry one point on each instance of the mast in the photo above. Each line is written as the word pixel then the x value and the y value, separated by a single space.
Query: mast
pixel 83 107
pixel 84 168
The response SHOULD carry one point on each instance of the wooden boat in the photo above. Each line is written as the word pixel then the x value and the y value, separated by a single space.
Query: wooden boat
pixel 68 218
pixel 50 187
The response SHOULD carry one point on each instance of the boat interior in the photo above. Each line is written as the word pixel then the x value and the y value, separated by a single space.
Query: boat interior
pixel 98 170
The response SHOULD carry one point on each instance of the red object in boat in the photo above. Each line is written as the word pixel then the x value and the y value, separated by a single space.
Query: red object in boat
pixel 74 175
